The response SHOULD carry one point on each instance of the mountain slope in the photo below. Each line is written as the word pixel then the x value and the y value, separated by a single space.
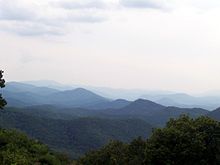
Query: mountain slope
pixel 115 104
pixel 139 107
pixel 20 95
pixel 18 87
pixel 142 107
pixel 77 135
pixel 21 99
pixel 215 114
pixel 154 113
pixel 76 98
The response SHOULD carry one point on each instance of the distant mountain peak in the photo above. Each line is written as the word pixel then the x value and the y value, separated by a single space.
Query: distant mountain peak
pixel 120 100
pixel 143 102
pixel 142 106
pixel 81 90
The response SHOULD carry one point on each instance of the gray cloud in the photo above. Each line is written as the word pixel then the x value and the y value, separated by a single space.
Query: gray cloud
pixel 95 4
pixel 10 10
pixel 141 4
pixel 29 19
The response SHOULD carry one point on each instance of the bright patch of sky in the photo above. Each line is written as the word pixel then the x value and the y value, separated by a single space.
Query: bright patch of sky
pixel 149 44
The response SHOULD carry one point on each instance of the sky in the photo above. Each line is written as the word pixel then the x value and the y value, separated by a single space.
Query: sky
pixel 145 44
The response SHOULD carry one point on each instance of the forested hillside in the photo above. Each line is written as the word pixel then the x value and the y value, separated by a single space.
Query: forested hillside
pixel 183 141
pixel 17 148
pixel 78 121
pixel 76 135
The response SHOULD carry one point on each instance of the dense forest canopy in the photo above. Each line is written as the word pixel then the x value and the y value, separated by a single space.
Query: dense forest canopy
pixel 17 149
pixel 183 141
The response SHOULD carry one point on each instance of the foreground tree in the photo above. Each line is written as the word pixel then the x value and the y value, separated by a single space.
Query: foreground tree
pixel 17 149
pixel 2 85
pixel 183 141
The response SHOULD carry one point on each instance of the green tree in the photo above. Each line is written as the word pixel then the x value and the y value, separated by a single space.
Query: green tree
pixel 17 149
pixel 136 152
pixel 184 141
pixel 115 153
pixel 2 85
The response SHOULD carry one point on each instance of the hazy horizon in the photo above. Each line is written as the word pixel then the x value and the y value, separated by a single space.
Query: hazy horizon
pixel 129 44
pixel 68 86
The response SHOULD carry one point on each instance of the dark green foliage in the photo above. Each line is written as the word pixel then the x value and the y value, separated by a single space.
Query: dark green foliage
pixel 3 102
pixel 117 153
pixel 184 141
pixel 17 148
pixel 2 81
pixel 2 85
pixel 74 136
pixel 114 153
pixel 136 151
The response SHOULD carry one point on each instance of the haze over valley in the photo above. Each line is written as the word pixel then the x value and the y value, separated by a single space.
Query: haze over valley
pixel 43 92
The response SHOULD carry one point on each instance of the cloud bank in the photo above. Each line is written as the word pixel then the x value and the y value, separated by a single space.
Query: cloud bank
pixel 71 4
pixel 153 4
pixel 55 17
pixel 31 18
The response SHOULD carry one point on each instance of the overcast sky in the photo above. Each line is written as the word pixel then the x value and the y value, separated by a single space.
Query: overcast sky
pixel 149 44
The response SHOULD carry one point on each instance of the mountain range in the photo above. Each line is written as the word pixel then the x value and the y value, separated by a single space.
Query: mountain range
pixel 79 120
pixel 20 94
pixel 208 100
